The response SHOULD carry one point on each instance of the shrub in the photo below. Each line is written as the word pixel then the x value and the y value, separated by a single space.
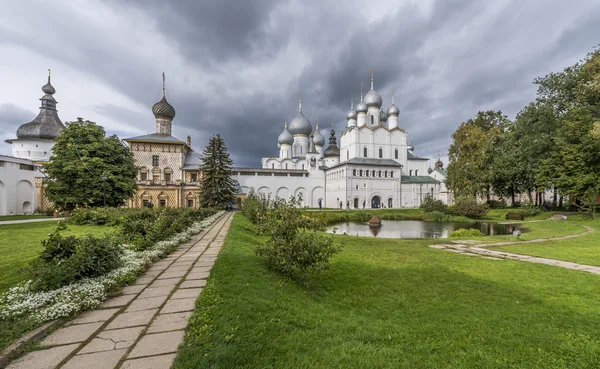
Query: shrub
pixel 255 206
pixel 468 207
pixel 496 204
pixel 462 232
pixel 295 249
pixel 530 209
pixel 65 260
pixel 435 216
pixel 430 204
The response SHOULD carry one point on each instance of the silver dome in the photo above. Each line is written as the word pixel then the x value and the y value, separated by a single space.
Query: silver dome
pixel 383 116
pixel 393 110
pixel 351 114
pixel 410 147
pixel 285 138
pixel 372 98
pixel 319 139
pixel 361 107
pixel 300 125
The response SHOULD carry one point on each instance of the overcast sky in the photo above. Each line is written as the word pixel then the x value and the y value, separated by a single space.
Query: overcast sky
pixel 235 67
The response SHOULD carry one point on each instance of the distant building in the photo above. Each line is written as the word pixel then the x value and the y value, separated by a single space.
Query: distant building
pixel 169 170
pixel 375 165
pixel 18 193
pixel 21 177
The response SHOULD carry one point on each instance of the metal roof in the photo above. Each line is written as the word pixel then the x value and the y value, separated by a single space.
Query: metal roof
pixel 156 137
pixel 418 179
pixel 193 160
pixel 412 157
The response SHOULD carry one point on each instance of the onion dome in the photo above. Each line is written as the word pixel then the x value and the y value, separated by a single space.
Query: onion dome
pixel 372 98
pixel 361 107
pixel 285 138
pixel 383 116
pixel 332 149
pixel 162 108
pixel 410 147
pixel 318 138
pixel 47 124
pixel 352 113
pixel 438 163
pixel 393 110
pixel 300 125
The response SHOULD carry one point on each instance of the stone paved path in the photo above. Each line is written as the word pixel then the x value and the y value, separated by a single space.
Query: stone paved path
pixel 462 247
pixel 3 222
pixel 143 327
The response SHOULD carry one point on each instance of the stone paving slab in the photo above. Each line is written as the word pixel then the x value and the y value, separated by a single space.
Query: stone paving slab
pixel 144 280
pixel 133 290
pixel 186 293
pixel 146 304
pixel 170 322
pixel 197 275
pixel 154 362
pixel 177 306
pixel 71 334
pixel 113 340
pixel 118 301
pixel 156 344
pixel 156 292
pixel 97 360
pixel 133 319
pixel 94 316
pixel 167 274
pixel 165 282
pixel 193 283
pixel 43 359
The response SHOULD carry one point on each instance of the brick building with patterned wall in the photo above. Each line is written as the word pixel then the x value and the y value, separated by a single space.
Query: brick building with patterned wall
pixel 169 170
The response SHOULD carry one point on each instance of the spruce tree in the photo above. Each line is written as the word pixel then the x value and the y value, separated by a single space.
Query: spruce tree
pixel 216 186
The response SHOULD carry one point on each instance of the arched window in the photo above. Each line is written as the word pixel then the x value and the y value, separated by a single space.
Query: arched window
pixel 410 172
pixel 286 165
pixel 365 151
pixel 391 174
pixel 386 174
pixel 380 153
pixel 272 165
pixel 372 119
pixel 347 154
pixel 366 173
pixel 396 153
pixel 302 166
pixel 361 173
pixel 354 172
pixel 416 172
pixel 379 173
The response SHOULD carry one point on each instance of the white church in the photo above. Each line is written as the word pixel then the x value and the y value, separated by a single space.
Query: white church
pixel 375 165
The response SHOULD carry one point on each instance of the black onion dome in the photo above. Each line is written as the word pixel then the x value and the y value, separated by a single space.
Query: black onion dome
pixel 332 149
pixel 47 124
pixel 163 109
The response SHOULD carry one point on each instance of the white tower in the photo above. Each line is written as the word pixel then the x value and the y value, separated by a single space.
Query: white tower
pixel 361 110
pixel 352 115
pixel 319 139
pixel 285 141
pixel 393 112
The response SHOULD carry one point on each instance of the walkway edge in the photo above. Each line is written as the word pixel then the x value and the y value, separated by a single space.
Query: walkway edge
pixel 16 348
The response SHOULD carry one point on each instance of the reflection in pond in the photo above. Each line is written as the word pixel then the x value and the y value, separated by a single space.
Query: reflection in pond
pixel 420 229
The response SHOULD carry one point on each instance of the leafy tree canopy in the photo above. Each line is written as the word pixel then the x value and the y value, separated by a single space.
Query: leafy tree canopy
pixel 82 156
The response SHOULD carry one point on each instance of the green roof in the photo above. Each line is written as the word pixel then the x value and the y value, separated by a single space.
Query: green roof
pixel 418 179
pixel 443 171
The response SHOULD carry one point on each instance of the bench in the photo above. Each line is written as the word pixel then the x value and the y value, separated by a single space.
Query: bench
pixel 515 216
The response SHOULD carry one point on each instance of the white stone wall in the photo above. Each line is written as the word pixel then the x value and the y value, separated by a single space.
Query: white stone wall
pixel 36 150
pixel 17 186
pixel 353 143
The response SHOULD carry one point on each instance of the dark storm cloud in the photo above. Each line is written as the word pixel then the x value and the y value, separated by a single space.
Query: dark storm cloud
pixel 446 62
pixel 11 117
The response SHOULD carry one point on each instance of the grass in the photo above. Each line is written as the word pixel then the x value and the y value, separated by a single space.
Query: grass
pixel 22 217
pixel 21 243
pixel 583 250
pixel 392 304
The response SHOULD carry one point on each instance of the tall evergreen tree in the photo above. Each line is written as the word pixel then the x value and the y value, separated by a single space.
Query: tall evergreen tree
pixel 216 186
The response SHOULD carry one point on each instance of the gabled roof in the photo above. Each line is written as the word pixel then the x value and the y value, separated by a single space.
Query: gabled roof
pixel 192 161
pixel 412 157
pixel 156 138
pixel 418 179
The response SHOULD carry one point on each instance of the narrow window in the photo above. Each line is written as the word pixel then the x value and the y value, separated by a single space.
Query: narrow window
pixel 354 172
pixel 361 172
pixel 379 173
pixel 391 174
pixel 194 177
pixel 372 119
pixel 380 152
pixel 155 160
pixel 386 174
pixel 144 177
pixel 365 152
pixel 167 177
pixel 347 154
pixel 410 173
pixel 272 165
pixel 190 203
pixel 416 172
pixel 396 153
pixel 302 166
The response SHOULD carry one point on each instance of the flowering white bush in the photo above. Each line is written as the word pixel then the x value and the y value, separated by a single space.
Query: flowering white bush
pixel 90 292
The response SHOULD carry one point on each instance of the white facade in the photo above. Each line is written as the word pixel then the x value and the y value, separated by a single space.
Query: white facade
pixel 17 186
pixel 373 167
pixel 35 150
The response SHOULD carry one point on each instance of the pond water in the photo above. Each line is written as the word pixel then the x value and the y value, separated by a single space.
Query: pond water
pixel 420 229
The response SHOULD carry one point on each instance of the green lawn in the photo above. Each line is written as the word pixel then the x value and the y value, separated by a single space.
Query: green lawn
pixel 21 243
pixel 22 217
pixel 392 304
pixel 584 250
